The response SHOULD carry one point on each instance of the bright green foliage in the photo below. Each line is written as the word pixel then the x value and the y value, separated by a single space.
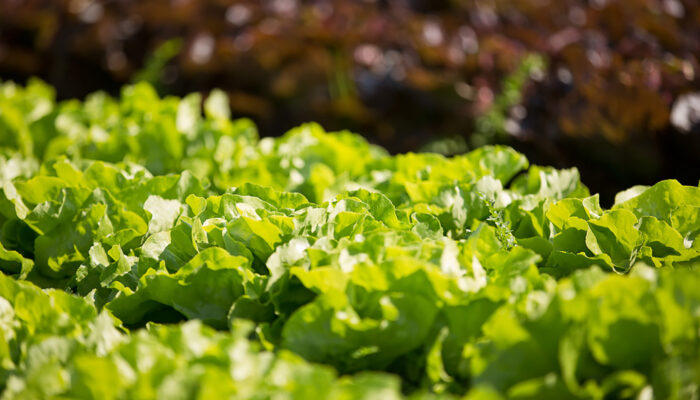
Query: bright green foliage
pixel 182 258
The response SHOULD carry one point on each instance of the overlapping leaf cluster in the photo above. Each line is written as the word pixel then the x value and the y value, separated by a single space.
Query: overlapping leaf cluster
pixel 181 257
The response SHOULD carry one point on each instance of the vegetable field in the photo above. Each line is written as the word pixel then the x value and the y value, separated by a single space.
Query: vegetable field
pixel 153 248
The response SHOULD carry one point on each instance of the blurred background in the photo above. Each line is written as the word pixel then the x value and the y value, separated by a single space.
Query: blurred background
pixel 609 86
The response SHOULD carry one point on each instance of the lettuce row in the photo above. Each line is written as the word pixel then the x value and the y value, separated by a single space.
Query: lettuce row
pixel 477 275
